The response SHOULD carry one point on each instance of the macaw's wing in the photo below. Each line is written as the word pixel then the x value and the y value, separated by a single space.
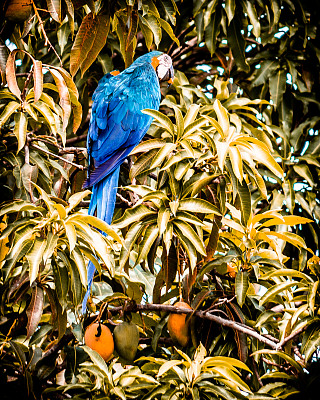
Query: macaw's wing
pixel 107 167
pixel 117 124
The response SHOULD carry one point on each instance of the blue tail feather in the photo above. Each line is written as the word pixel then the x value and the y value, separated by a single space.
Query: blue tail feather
pixel 102 205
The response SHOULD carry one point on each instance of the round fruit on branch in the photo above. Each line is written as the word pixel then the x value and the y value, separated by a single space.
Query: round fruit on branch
pixel 126 340
pixel 99 338
pixel 178 327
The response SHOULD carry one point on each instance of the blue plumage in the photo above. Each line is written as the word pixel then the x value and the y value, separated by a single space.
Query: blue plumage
pixel 117 125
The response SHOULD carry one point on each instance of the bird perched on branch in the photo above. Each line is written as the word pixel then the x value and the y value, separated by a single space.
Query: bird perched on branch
pixel 117 125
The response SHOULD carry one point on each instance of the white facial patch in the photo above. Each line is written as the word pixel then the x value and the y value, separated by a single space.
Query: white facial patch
pixel 165 63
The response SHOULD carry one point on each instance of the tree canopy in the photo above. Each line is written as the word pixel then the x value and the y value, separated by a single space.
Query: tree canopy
pixel 218 206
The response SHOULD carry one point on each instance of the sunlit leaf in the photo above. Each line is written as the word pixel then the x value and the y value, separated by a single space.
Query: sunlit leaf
pixel 54 7
pixel 35 257
pixel 20 129
pixel 241 286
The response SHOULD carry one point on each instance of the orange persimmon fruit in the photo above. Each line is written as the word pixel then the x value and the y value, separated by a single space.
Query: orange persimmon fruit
pixel 99 338
pixel 178 327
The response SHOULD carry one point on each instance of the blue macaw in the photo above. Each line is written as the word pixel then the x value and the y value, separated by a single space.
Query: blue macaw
pixel 117 125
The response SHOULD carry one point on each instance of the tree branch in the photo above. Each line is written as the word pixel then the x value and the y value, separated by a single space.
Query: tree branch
pixel 201 314
pixel 292 336
pixel 60 158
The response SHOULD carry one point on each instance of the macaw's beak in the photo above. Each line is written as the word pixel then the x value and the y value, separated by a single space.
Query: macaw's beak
pixel 169 76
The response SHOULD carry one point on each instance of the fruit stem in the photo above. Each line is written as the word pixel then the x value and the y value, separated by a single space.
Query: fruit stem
pixel 98 334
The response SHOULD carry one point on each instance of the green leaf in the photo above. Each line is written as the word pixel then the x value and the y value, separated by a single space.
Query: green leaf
pixel 83 42
pixel 81 265
pixel 194 126
pixel 44 196
pixel 250 9
pixel 149 236
pixel 98 361
pixel 8 111
pixel 46 112
pixel 142 165
pixel 179 121
pixel 167 366
pixel 133 215
pixel 310 343
pixel 54 8
pixel 38 79
pixel 34 310
pixel 289 220
pixel 163 219
pixel 157 332
pixel 237 43
pixel 169 265
pixel 75 281
pixel 271 293
pixel 230 7
pixel 17 347
pixel 11 75
pixel 212 31
pixel 198 206
pixel 99 41
pixel 76 198
pixel 241 286
pixel 164 24
pixel 132 236
pixel 154 25
pixel 20 238
pixel 35 257
pixel 231 378
pixel 64 102
pixel 61 281
pixel 236 162
pixel 20 129
pixel 148 145
pixel 163 119
pixel 71 235
pixel 260 152
pixel 304 171
pixel 312 293
pixel 286 272
pixel 191 235
pixel 97 223
pixel 191 114
pixel 146 31
pixel 283 355
pixel 97 242
pixel 267 69
pixel 277 83
pixel 245 199
pixel 162 154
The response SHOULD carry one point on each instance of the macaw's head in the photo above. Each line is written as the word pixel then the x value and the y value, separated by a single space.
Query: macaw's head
pixel 161 63
pixel 163 67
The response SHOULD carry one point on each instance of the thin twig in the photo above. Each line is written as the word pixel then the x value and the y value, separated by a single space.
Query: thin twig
pixel 76 139
pixel 81 167
pixel 124 200
pixel 47 41
pixel 292 336
pixel 255 370
pixel 37 139
pixel 70 150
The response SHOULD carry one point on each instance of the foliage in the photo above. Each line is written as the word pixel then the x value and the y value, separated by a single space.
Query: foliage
pixel 219 204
